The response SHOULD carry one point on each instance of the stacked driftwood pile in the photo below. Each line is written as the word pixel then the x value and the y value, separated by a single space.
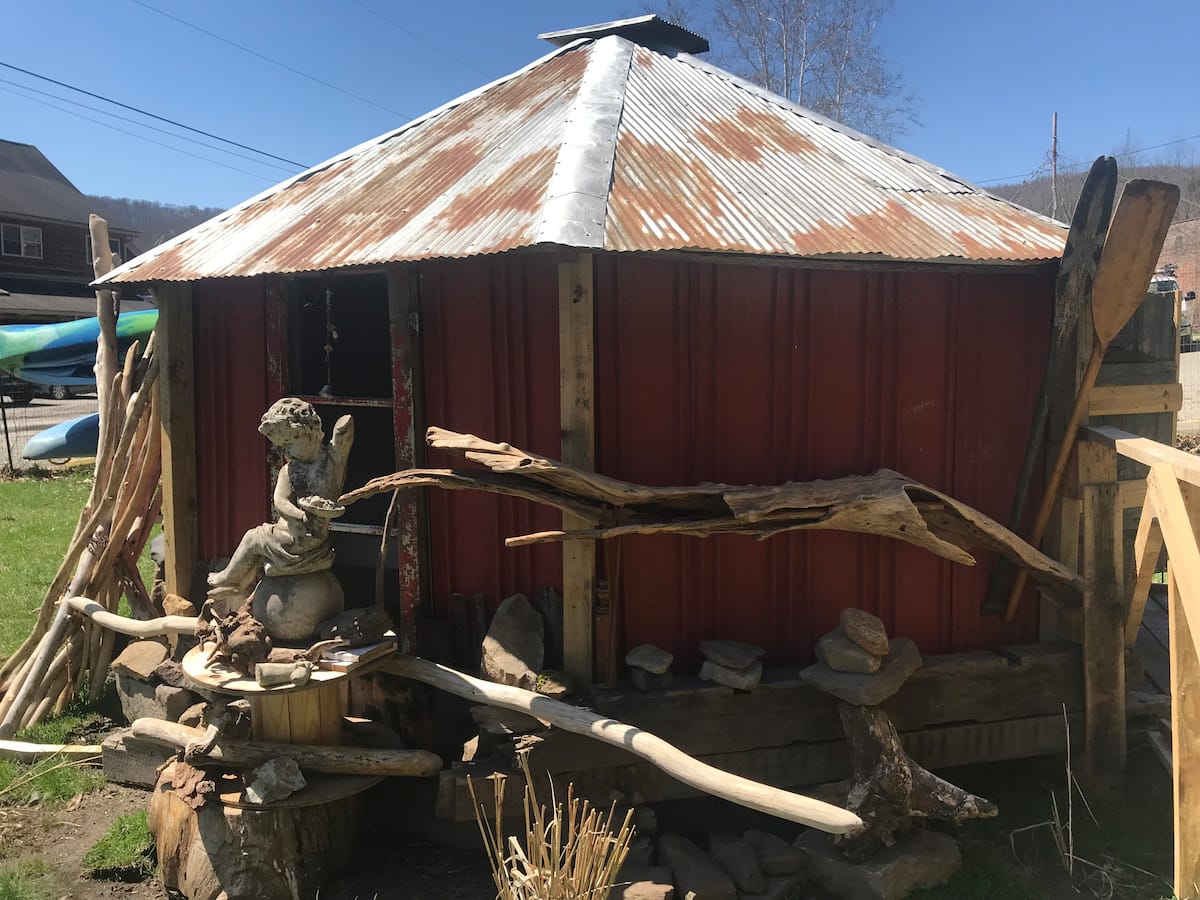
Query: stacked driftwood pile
pixel 66 655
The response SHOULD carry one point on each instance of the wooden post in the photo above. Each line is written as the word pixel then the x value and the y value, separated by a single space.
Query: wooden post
pixel 403 296
pixel 1103 614
pixel 577 422
pixel 1185 716
pixel 177 408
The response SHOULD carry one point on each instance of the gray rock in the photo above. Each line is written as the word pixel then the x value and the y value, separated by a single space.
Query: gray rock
pixel 276 779
pixel 736 858
pixel 653 659
pixel 169 671
pixel 193 716
pixel 643 883
pixel 920 859
pixel 645 820
pixel 775 855
pixel 843 655
pixel 694 871
pixel 865 630
pixel 512 650
pixel 867 690
pixel 731 654
pixel 554 684
pixel 647 681
pixel 641 851
pixel 780 887
pixel 359 627
pixel 746 679
pixel 470 750
pixel 141 699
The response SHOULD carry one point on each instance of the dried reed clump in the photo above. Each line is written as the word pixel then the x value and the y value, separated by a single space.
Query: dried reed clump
pixel 572 854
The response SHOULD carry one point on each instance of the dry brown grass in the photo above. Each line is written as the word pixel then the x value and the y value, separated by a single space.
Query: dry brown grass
pixel 572 852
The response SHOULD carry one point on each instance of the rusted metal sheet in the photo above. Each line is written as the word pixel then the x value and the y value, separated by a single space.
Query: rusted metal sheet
pixel 489 343
pixel 607 145
pixel 234 386
pixel 758 375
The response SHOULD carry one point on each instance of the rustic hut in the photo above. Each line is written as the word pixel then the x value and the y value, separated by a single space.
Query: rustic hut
pixel 624 257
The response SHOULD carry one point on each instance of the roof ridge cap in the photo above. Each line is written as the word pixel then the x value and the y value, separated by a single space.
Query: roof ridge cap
pixel 575 206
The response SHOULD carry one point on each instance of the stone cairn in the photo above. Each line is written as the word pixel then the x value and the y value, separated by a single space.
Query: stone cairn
pixel 732 664
pixel 860 666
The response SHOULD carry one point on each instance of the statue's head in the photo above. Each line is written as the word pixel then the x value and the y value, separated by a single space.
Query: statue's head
pixel 289 420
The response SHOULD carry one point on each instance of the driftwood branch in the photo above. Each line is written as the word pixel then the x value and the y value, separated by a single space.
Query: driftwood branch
pixel 885 503
pixel 676 763
pixel 328 759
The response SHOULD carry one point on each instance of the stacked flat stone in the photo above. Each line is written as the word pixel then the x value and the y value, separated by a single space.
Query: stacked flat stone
pixel 650 667
pixel 857 663
pixel 732 664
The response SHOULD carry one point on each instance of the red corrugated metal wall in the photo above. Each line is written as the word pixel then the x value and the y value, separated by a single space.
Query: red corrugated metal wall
pixel 751 374
pixel 232 391
pixel 489 342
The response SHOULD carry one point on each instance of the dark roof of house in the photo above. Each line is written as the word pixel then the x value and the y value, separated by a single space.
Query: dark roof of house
pixel 32 307
pixel 31 186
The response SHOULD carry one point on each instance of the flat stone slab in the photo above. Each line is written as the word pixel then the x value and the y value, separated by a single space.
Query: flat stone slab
pixel 140 658
pixel 643 883
pixel 775 855
pixel 920 859
pixel 843 655
pixel 513 650
pixel 746 679
pixel 732 654
pixel 865 630
pixel 652 659
pixel 868 690
pixel 696 875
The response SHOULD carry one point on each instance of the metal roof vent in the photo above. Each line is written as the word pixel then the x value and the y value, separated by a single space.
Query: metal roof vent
pixel 649 31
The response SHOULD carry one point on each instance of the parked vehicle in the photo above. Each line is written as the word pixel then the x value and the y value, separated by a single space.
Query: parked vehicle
pixel 18 392
pixel 1165 283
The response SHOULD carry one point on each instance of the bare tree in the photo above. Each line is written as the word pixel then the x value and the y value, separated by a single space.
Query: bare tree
pixel 823 54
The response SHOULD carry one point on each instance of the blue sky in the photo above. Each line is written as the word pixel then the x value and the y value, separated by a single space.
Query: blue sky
pixel 987 77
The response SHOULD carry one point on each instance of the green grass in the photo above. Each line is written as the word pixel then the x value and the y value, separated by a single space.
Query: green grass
pixel 51 781
pixel 37 520
pixel 26 881
pixel 125 853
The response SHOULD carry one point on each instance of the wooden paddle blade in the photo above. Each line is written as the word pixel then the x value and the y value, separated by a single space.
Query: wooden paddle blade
pixel 1131 251
pixel 1081 256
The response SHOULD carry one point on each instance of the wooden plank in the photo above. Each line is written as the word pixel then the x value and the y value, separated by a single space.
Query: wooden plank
pixel 304 713
pixel 403 305
pixel 791 765
pixel 1155 372
pixel 1131 494
pixel 1185 706
pixel 1186 466
pixel 1120 400
pixel 1147 548
pixel 1103 633
pixel 577 423
pixel 1180 538
pixel 177 408
pixel 270 718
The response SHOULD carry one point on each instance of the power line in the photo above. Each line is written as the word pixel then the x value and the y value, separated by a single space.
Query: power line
pixel 399 26
pixel 103 112
pixel 140 137
pixel 1077 167
pixel 265 58
pixel 207 134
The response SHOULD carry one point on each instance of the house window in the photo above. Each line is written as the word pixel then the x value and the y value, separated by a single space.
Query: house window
pixel 21 240
pixel 114 245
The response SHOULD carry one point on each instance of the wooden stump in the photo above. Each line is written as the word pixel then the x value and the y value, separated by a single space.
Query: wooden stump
pixel 222 852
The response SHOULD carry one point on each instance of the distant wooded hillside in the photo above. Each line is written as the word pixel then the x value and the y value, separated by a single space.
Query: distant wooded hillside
pixel 1036 195
pixel 155 222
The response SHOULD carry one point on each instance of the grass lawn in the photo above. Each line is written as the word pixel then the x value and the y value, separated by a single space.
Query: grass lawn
pixel 37 520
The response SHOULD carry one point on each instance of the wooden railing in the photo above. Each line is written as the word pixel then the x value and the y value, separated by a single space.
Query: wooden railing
pixel 1113 606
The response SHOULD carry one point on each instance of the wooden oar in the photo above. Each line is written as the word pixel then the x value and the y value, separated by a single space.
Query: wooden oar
pixel 1072 292
pixel 1131 251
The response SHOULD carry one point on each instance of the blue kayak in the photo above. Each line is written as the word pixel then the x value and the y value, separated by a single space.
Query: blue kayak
pixel 65 352
pixel 73 438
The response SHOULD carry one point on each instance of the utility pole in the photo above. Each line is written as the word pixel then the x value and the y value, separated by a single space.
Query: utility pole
pixel 1054 166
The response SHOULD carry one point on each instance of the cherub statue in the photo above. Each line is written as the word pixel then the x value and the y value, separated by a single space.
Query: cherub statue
pixel 305 500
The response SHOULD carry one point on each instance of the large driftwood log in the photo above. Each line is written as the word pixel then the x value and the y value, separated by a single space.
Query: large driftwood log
pixel 889 790
pixel 676 763
pixel 884 503
pixel 329 759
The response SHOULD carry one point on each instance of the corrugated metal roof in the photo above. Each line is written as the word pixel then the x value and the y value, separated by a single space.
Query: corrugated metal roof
pixel 607 145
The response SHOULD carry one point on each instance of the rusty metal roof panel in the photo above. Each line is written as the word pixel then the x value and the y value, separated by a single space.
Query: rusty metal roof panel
pixel 608 145
pixel 705 162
